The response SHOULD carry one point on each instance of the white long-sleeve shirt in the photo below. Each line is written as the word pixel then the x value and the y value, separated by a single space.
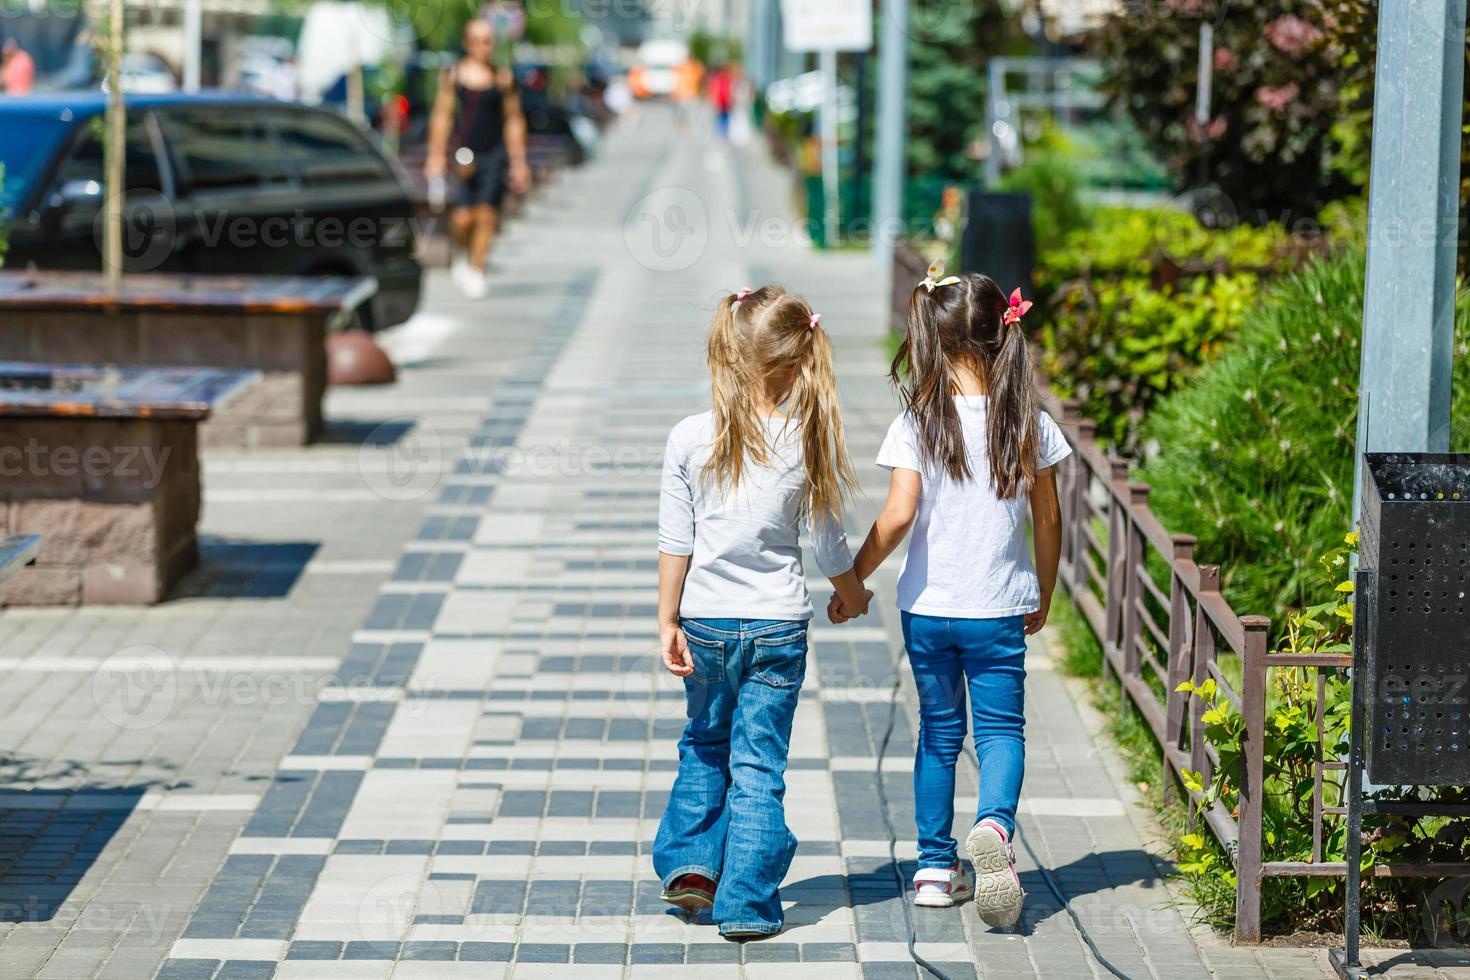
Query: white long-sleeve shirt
pixel 745 557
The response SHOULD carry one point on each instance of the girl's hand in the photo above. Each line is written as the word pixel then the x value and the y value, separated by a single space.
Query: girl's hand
pixel 1035 621
pixel 835 615
pixel 838 613
pixel 674 650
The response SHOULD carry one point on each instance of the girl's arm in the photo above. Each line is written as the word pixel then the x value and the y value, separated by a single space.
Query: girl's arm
pixel 672 646
pixel 887 533
pixel 1046 530
pixel 893 523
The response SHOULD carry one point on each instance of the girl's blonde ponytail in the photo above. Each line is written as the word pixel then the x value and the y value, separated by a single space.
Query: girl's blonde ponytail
pixel 767 333
pixel 817 406
pixel 738 432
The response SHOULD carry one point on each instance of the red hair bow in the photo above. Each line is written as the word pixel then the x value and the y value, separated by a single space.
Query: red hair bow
pixel 1016 309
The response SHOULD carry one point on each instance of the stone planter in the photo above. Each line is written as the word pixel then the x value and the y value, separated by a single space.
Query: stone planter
pixel 104 463
pixel 275 325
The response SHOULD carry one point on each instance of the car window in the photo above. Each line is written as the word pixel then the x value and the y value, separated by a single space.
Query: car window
pixel 84 161
pixel 29 144
pixel 221 148
pixel 325 148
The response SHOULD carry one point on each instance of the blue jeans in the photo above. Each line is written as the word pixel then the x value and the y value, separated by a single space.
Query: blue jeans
pixel 725 818
pixel 949 656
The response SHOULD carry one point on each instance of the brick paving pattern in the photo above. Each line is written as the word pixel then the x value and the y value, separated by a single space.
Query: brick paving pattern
pixel 468 749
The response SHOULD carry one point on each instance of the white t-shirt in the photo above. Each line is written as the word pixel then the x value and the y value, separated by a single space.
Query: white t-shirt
pixel 745 557
pixel 967 555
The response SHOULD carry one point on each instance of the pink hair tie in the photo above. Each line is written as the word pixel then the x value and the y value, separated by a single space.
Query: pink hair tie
pixel 741 294
pixel 1015 308
pixel 814 322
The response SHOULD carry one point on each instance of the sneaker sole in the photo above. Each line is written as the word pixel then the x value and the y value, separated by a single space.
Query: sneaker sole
pixel 941 901
pixel 998 895
pixel 689 899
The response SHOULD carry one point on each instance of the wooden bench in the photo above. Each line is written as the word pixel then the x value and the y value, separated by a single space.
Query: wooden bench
pixel 274 325
pixel 16 552
pixel 104 462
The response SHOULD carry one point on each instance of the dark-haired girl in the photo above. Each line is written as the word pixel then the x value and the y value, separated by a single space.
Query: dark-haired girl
pixel 969 456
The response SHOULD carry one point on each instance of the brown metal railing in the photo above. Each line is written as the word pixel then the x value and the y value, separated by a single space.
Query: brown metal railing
pixel 1153 640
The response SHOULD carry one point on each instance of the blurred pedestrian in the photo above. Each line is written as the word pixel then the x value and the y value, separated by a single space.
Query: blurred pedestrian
pixel 722 97
pixel 477 134
pixel 688 80
pixel 17 68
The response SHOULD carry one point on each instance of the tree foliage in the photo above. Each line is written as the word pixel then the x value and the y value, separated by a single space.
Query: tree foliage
pixel 1277 90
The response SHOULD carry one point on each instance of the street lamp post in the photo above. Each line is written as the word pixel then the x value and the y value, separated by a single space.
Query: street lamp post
pixel 1413 219
pixel 888 172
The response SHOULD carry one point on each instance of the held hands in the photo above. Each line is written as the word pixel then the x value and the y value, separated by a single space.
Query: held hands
pixel 673 649
pixel 838 613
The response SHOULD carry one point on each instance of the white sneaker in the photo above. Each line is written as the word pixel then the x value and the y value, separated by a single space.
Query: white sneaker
pixel 998 892
pixel 476 284
pixel 459 268
pixel 941 888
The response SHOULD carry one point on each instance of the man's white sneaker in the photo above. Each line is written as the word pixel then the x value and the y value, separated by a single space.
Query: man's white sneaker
pixel 941 888
pixel 998 893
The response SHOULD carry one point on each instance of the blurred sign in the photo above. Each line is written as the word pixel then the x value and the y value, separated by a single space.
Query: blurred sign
pixel 827 25
pixel 508 20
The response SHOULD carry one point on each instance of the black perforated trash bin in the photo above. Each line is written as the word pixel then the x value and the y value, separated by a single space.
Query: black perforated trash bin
pixel 1415 533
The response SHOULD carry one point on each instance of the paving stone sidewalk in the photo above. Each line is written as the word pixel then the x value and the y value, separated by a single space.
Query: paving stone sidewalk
pixel 465 765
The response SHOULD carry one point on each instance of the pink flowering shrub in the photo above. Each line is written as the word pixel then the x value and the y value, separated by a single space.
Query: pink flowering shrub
pixel 1276 95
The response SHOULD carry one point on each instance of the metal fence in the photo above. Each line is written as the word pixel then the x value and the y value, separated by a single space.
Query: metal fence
pixel 1155 637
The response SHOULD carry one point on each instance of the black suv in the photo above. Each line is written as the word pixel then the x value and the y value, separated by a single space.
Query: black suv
pixel 216 183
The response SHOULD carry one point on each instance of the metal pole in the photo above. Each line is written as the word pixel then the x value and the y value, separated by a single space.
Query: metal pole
pixel 1413 214
pixel 889 161
pixel 193 41
pixel 830 177
pixel 997 111
pixel 1365 597
pixel 114 150
pixel 1204 82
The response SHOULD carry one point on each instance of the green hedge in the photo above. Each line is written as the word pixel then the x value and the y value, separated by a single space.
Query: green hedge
pixel 1138 299
pixel 1255 456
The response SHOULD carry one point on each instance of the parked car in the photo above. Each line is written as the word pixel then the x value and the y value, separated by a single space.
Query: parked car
pixel 215 183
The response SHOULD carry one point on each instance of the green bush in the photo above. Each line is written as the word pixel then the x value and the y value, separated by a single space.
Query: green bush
pixel 1392 907
pixel 1138 299
pixel 1277 80
pixel 1255 455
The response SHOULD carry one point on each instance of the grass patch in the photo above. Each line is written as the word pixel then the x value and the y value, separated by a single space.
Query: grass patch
pixel 1081 656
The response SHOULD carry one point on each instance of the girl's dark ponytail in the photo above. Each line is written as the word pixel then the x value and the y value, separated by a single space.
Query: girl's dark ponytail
pixel 928 392
pixel 1010 435
pixel 965 319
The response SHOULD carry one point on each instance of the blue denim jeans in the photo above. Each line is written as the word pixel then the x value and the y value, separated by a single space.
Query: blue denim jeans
pixel 725 818
pixel 986 660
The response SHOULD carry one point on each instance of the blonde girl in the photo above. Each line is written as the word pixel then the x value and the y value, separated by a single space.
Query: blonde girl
pixel 739 481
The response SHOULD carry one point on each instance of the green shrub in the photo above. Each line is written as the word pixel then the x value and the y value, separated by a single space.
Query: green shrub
pixel 1139 299
pixel 1278 71
pixel 1255 456
pixel 1392 906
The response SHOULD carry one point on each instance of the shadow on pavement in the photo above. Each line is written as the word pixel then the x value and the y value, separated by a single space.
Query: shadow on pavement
pixel 50 838
pixel 230 568
pixel 1077 880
